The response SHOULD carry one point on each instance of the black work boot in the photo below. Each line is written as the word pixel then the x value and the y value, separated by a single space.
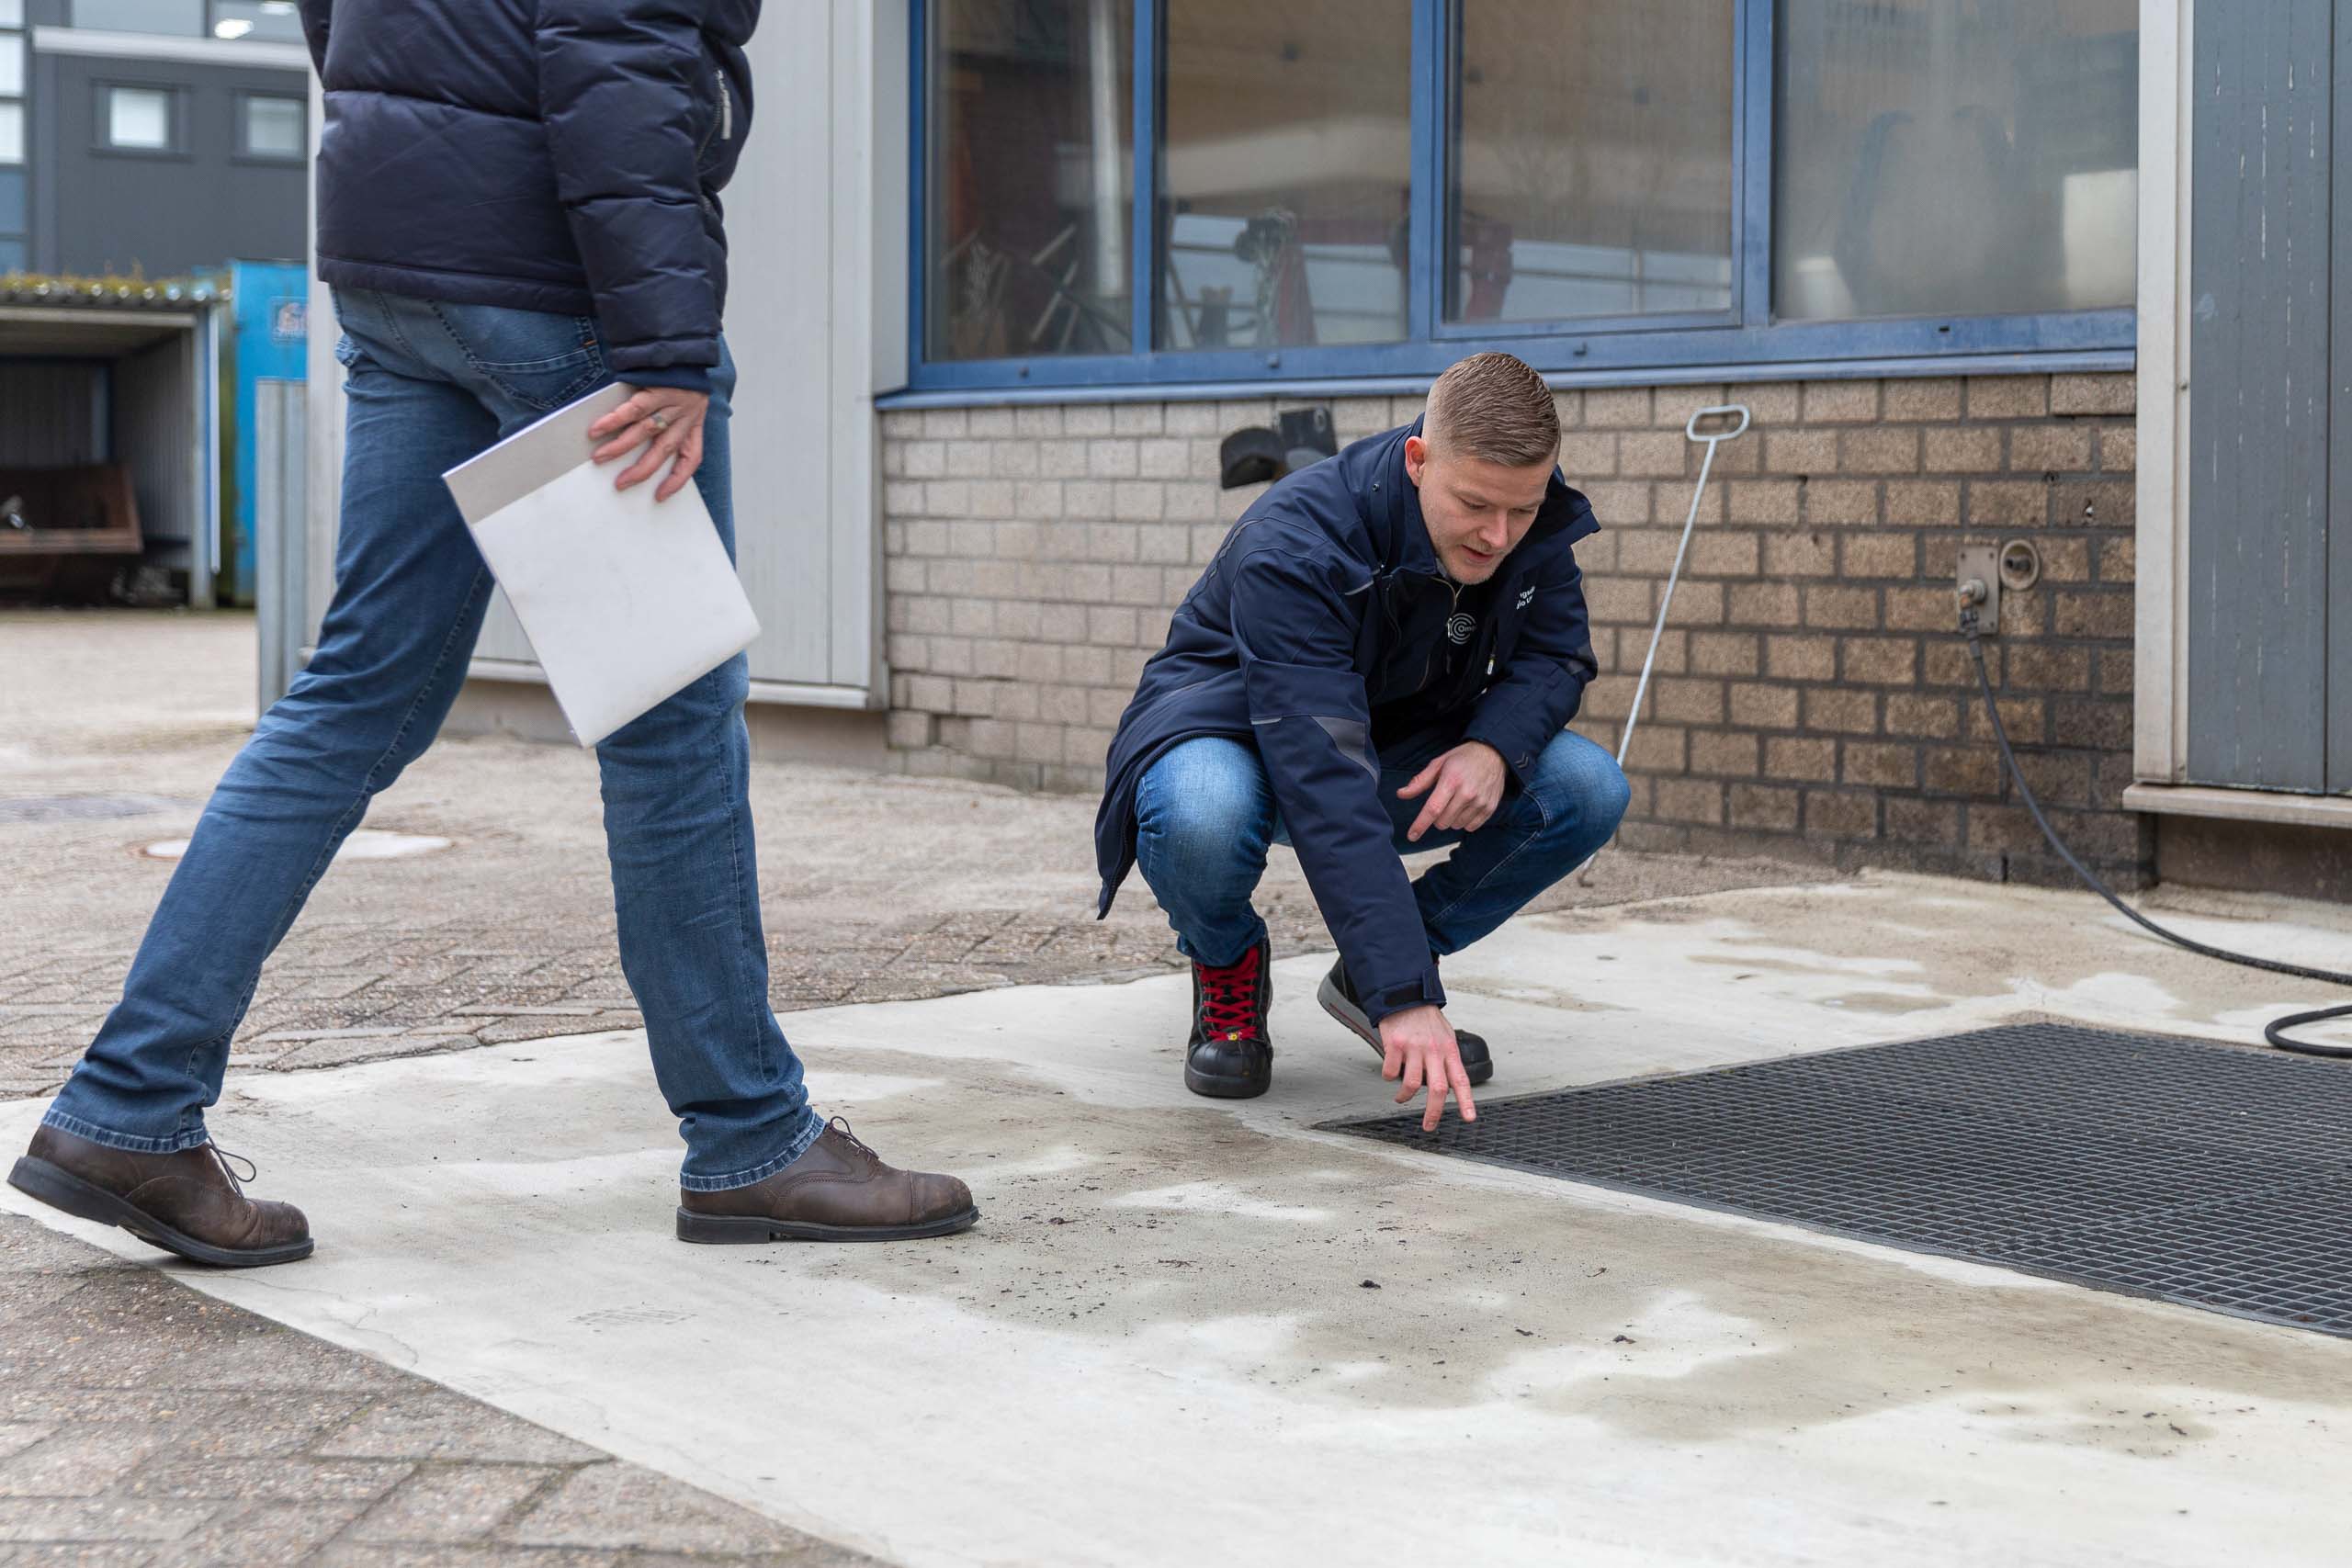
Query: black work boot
pixel 1230 1056
pixel 1338 996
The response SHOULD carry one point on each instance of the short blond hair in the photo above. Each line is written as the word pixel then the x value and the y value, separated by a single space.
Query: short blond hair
pixel 1496 408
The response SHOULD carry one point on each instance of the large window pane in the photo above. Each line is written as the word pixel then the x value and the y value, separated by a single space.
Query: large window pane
pixel 139 118
pixel 12 256
pixel 12 201
pixel 12 133
pixel 1030 177
pixel 1955 157
pixel 1285 163
pixel 12 12
pixel 183 18
pixel 1592 160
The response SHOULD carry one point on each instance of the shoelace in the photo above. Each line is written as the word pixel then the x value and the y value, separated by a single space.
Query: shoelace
pixel 1229 999
pixel 224 1157
pixel 840 1124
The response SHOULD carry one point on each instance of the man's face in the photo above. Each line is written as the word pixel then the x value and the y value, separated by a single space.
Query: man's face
pixel 1478 512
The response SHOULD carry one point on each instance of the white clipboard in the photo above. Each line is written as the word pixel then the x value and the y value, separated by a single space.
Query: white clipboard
pixel 627 601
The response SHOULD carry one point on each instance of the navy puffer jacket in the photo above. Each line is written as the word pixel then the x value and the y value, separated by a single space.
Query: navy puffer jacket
pixel 560 155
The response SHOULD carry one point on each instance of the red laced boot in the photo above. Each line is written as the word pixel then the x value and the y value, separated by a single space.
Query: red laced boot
pixel 1230 1056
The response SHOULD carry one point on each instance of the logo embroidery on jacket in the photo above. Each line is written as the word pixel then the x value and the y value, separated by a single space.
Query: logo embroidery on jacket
pixel 1526 597
pixel 1460 628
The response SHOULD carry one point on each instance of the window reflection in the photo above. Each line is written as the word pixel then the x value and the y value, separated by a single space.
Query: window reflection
pixel 1286 165
pixel 1030 177
pixel 1955 157
pixel 1592 171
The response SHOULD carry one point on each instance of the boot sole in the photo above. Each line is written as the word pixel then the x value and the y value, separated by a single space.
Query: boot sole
pixel 745 1230
pixel 1214 1088
pixel 61 1190
pixel 1355 1023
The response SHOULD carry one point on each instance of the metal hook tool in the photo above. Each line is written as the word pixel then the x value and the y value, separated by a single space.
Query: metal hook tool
pixel 1690 432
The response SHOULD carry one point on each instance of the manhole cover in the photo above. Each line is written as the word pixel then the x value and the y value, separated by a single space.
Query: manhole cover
pixel 81 808
pixel 366 843
pixel 2204 1174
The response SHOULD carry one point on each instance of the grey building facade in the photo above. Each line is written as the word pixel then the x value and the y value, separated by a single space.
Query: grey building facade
pixel 156 138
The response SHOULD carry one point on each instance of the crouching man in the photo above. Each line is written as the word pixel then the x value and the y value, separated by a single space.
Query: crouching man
pixel 1380 661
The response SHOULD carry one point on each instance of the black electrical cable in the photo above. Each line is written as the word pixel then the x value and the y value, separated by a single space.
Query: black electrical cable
pixel 2274 1032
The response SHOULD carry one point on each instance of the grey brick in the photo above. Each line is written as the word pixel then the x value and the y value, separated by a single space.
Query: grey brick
pixel 1134 501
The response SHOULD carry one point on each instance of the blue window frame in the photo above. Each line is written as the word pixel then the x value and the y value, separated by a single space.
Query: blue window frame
pixel 1745 341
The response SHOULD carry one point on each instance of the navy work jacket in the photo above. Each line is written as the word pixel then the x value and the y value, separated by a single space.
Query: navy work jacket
pixel 557 156
pixel 1324 601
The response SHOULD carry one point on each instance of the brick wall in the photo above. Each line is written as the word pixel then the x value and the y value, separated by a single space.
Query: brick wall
pixel 1809 699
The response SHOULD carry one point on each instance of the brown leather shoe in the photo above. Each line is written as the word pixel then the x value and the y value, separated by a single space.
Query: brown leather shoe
pixel 837 1190
pixel 190 1203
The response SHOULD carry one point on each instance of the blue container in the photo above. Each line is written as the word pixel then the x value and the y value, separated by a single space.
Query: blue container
pixel 271 359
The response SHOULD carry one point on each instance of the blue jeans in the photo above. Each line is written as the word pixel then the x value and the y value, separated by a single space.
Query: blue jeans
pixel 430 386
pixel 1205 814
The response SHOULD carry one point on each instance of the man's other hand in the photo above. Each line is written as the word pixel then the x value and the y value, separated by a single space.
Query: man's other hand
pixel 1417 1045
pixel 1465 787
pixel 668 417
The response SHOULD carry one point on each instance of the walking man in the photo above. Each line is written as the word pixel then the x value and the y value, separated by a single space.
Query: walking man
pixel 517 206
pixel 1380 661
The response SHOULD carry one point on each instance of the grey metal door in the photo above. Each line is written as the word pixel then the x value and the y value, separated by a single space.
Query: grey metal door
pixel 2269 688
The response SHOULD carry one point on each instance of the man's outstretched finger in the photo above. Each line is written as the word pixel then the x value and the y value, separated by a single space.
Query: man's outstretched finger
pixel 1422 779
pixel 1392 1060
pixel 1435 1112
pixel 1463 1106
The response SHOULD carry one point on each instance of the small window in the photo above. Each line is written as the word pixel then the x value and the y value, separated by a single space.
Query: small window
pixel 180 19
pixel 12 12
pixel 12 66
pixel 12 201
pixel 139 119
pixel 12 133
pixel 271 127
pixel 12 256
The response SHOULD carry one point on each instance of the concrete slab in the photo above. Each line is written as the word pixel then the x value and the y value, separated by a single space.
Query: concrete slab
pixel 1188 1330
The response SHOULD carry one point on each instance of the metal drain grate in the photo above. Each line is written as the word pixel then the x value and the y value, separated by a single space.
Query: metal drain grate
pixel 2197 1173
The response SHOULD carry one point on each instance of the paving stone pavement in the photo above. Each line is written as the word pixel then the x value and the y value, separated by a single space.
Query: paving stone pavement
pixel 141 1423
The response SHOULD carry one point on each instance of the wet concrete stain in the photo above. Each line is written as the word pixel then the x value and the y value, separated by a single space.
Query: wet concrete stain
pixel 1673 1329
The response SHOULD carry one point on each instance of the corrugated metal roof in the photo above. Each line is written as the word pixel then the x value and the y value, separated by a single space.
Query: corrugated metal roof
pixel 112 293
